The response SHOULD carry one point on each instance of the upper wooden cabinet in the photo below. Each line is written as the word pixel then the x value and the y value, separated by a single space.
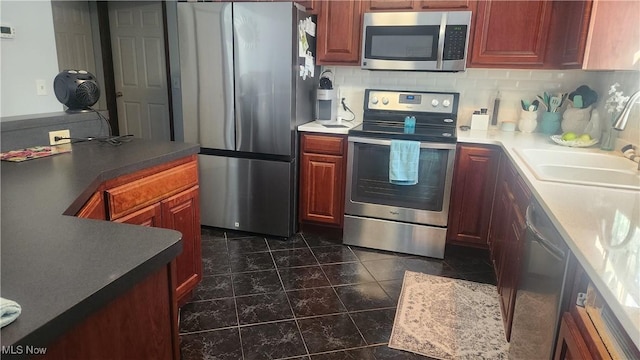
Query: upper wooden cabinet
pixel 338 32
pixel 412 5
pixel 613 42
pixel 568 34
pixel 510 34
pixel 311 5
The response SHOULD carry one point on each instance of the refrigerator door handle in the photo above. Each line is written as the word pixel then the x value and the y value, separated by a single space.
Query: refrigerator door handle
pixel 228 80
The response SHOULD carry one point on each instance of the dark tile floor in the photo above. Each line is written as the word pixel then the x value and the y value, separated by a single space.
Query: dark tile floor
pixel 305 298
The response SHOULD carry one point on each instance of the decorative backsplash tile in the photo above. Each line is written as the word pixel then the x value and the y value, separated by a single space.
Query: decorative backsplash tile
pixel 477 87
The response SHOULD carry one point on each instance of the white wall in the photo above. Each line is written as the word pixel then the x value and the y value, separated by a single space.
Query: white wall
pixel 478 86
pixel 31 55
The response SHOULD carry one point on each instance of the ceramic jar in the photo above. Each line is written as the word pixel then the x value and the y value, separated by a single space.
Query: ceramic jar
pixel 528 121
pixel 575 120
pixel 550 123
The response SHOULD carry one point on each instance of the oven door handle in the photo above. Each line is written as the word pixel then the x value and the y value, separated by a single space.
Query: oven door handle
pixel 385 142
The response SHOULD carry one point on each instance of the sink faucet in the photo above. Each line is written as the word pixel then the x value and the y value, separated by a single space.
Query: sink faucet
pixel 621 121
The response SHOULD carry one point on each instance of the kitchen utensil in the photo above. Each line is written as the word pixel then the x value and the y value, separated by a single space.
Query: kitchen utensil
pixel 577 102
pixel 541 102
pixel 532 108
pixel 554 103
pixel 524 105
pixel 535 103
pixel 589 96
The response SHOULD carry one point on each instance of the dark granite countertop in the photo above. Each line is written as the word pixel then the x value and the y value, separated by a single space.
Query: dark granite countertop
pixel 60 268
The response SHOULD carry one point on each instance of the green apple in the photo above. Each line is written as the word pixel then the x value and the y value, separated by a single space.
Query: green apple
pixel 568 136
pixel 584 138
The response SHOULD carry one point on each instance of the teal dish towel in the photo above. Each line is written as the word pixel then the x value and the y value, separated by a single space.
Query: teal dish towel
pixel 404 158
pixel 9 311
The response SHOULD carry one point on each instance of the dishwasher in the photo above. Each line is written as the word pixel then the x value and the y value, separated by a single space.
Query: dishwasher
pixel 539 295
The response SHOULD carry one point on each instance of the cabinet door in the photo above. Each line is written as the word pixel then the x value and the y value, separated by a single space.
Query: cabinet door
pixel 499 229
pixel 385 5
pixel 474 183
pixel 94 208
pixel 445 4
pixel 510 270
pixel 570 343
pixel 181 212
pixel 568 34
pixel 511 33
pixel 339 32
pixel 614 36
pixel 311 5
pixel 322 189
pixel 150 216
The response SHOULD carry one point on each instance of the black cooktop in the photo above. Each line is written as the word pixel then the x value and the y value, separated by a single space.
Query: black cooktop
pixel 394 130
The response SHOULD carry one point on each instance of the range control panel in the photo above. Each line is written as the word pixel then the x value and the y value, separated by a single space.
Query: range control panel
pixel 411 101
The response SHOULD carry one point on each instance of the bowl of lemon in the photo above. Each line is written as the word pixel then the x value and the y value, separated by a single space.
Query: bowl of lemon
pixel 572 139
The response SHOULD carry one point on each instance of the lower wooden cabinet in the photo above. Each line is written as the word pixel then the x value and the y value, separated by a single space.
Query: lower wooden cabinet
pixel 322 179
pixel 121 329
pixel 570 343
pixel 163 196
pixel 473 189
pixel 506 236
pixel 181 212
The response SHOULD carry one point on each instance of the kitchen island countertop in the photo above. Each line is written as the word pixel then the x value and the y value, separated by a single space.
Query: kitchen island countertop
pixel 61 268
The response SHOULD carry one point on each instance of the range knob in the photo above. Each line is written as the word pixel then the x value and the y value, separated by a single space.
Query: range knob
pixel 434 102
pixel 385 101
pixel 446 103
pixel 374 100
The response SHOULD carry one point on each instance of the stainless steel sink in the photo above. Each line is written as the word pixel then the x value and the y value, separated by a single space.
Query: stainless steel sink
pixel 582 168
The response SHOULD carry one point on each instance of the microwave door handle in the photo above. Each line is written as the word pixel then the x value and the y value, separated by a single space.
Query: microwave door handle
pixel 440 53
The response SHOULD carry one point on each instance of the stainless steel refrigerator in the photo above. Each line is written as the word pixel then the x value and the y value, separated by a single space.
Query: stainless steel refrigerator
pixel 242 98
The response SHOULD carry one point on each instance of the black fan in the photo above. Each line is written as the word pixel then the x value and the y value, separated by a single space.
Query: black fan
pixel 76 89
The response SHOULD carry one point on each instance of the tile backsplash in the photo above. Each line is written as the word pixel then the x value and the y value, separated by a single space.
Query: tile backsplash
pixel 478 87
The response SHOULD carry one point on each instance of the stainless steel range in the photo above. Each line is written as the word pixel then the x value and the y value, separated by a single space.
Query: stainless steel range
pixel 379 213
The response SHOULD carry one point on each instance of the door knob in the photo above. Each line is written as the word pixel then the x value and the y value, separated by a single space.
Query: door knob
pixel 119 94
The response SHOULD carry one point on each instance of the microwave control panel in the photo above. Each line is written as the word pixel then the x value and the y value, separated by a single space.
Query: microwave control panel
pixel 455 42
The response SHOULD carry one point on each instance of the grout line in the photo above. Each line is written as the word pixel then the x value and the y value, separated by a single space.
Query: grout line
pixel 233 292
pixel 304 342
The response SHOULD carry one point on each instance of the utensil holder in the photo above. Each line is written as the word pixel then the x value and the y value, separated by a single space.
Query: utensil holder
pixel 550 123
pixel 528 121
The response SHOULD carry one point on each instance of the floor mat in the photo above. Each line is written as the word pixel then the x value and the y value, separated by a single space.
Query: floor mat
pixel 446 318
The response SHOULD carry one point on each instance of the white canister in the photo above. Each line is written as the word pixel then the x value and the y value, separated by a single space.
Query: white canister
pixel 528 121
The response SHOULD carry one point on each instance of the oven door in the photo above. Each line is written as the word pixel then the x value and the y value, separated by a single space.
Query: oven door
pixel 370 194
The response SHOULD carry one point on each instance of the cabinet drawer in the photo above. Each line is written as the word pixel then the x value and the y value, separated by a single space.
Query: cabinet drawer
pixel 322 144
pixel 129 197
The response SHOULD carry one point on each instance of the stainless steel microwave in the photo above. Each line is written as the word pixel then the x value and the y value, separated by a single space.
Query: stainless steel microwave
pixel 417 41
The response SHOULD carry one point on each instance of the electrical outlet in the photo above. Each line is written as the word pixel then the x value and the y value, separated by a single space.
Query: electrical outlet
pixel 41 87
pixel 59 133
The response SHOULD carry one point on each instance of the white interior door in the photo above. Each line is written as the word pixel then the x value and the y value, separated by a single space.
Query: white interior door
pixel 74 40
pixel 139 67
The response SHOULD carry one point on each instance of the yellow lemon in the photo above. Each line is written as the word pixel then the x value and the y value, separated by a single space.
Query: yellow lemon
pixel 584 138
pixel 568 136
